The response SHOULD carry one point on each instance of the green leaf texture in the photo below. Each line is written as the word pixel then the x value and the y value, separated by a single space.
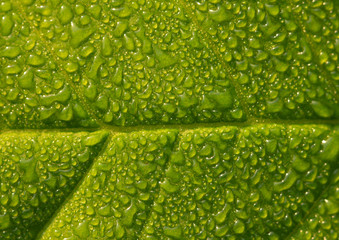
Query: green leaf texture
pixel 176 119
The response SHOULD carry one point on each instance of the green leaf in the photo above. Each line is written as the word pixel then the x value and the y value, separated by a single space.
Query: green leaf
pixel 38 172
pixel 152 119
pixel 229 182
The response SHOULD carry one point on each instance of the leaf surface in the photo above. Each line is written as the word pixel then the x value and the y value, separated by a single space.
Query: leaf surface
pixel 209 183
pixel 38 172
pixel 222 119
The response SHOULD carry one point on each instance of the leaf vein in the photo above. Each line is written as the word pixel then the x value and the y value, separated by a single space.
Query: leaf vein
pixel 80 182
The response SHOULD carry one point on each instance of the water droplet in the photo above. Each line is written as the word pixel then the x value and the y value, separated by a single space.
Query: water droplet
pixel 86 51
pixel 79 35
pixel 106 46
pixel 91 91
pixel 120 28
pixel 10 52
pixel 220 14
pixel 272 9
pixel 36 60
pixel 12 69
pixel 5 221
pixel 238 227
pixel 90 210
pixel 6 6
pixel 274 106
pixel 82 230
pixel 321 109
pixel 177 158
pixel 129 42
pixel 7 25
pixel 165 60
pixel 62 96
pixel 105 211
pixel 26 80
pixel 168 187
pixel 220 217
pixel 221 231
pixel 45 113
pixel 287 182
pixel 271 145
pixel 300 164
pixel 66 114
pixel 206 151
pixel 95 11
pixel 330 148
pixel 95 138
pixel 129 214
pixel 313 24
pixel 332 206
pixel 122 12
pixel 232 42
pixel 173 232
pixel 221 100
pixel 71 67
pixel 119 230
pixel 28 166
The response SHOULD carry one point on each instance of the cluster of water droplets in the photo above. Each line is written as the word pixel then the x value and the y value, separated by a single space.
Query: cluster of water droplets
pixel 284 56
pixel 149 62
pixel 209 183
pixel 38 171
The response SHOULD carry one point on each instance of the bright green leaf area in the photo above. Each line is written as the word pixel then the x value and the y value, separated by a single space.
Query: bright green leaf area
pixel 176 119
